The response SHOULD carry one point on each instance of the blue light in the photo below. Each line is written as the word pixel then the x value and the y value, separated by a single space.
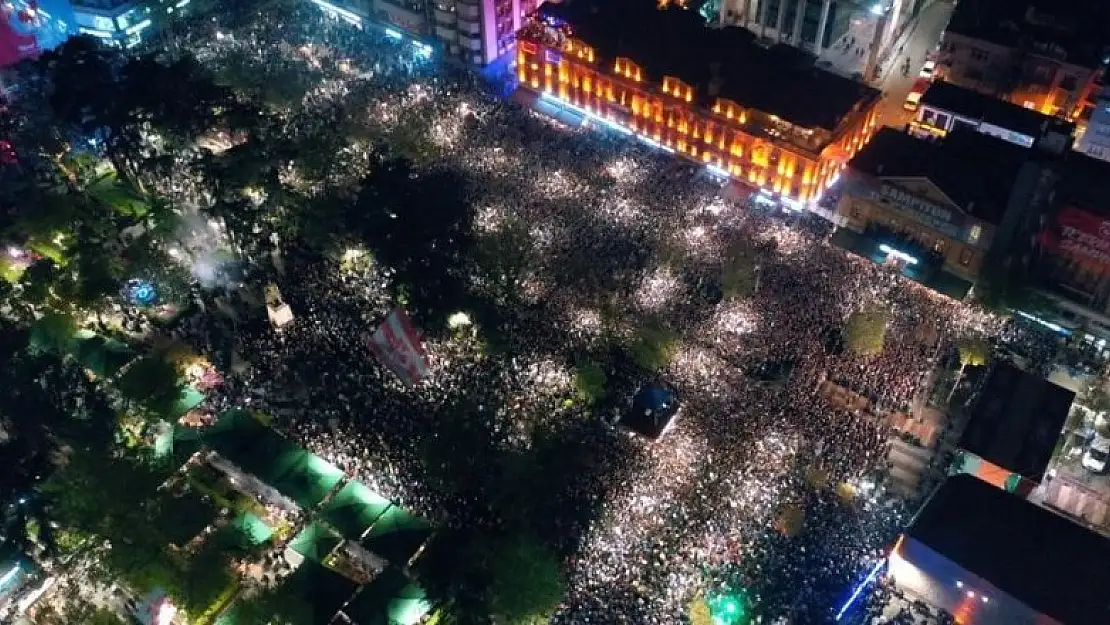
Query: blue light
pixel 353 18
pixel 589 115
pixel 393 34
pixel 142 292
pixel 423 49
pixel 1055 327
pixel 890 251
pixel 655 144
pixel 859 589
pixel 717 171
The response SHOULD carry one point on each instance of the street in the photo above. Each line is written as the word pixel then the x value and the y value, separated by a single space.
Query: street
pixel 916 42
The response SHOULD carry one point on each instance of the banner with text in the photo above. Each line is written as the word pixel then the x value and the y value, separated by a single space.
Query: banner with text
pixel 396 344
pixel 1080 234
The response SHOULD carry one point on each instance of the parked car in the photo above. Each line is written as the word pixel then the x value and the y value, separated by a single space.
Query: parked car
pixel 1094 460
pixel 928 69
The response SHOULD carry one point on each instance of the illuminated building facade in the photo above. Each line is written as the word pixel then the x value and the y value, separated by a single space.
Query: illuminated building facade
pixel 989 557
pixel 763 116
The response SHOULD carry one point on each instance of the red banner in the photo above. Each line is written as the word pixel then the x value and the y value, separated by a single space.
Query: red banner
pixel 1080 234
pixel 397 346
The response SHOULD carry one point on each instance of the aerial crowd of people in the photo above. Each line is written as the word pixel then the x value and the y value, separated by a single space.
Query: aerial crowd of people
pixel 617 234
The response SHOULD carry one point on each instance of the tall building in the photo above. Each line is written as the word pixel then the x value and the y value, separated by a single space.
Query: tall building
pixel 713 95
pixel 480 31
pixel 1072 263
pixel 1095 139
pixel 1044 55
pixel 475 31
pixel 794 22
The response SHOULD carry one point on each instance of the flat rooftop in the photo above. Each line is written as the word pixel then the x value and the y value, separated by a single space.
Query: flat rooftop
pixel 778 80
pixel 1017 420
pixel 1047 562
pixel 1074 31
pixel 954 165
pixel 1084 184
pixel 975 105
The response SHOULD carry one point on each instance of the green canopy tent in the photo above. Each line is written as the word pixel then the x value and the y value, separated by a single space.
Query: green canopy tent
pixel 390 599
pixel 190 398
pixel 309 481
pixel 104 357
pixel 244 532
pixel 354 509
pixel 234 431
pixel 397 536
pixel 269 456
pixel 325 590
pixel 315 542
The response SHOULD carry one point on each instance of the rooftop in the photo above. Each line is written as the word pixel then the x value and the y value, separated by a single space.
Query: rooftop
pixel 778 80
pixel 1085 184
pixel 1074 31
pixel 1038 557
pixel 1016 421
pixel 975 105
pixel 954 165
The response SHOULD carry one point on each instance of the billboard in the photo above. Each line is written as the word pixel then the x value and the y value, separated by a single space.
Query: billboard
pixel 1081 235
pixel 396 344
pixel 30 27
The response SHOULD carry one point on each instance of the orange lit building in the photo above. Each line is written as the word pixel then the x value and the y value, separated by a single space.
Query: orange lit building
pixel 764 116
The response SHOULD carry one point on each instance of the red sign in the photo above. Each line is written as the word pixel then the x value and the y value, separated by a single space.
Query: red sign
pixel 1079 234
pixel 397 346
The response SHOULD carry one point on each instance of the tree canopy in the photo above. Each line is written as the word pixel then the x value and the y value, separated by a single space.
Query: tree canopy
pixel 527 582
pixel 864 332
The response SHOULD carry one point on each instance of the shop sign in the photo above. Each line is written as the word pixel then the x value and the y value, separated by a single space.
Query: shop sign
pixel 1080 234
pixel 929 213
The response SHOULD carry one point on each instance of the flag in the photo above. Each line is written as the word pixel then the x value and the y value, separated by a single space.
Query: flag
pixel 396 344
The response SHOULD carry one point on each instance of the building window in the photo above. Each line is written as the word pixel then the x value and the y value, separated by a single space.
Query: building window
pixel 965 257
pixel 974 233
pixel 1069 83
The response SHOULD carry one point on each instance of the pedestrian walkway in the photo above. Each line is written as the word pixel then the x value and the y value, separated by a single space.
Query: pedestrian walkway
pixel 848 55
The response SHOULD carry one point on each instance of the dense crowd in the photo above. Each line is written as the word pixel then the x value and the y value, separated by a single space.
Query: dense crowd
pixel 618 234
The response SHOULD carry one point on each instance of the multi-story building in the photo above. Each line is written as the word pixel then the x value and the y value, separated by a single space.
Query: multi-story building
pixel 1095 139
pixel 115 22
pixel 1047 56
pixel 477 31
pixel 935 208
pixel 480 31
pixel 946 106
pixel 1073 251
pixel 763 116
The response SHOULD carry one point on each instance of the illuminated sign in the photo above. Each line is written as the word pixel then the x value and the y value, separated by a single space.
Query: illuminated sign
pixel 922 210
pixel 551 56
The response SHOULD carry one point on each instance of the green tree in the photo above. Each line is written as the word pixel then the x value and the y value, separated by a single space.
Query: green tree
pixel 152 383
pixel 864 332
pixel 740 271
pixel 527 582
pixel 654 346
pixel 274 607
pixel 589 381
pixel 53 332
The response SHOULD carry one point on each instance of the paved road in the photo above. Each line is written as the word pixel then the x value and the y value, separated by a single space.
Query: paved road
pixel 915 43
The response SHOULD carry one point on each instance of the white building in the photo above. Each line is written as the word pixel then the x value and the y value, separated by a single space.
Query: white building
pixel 122 23
pixel 476 31
pixel 1095 141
